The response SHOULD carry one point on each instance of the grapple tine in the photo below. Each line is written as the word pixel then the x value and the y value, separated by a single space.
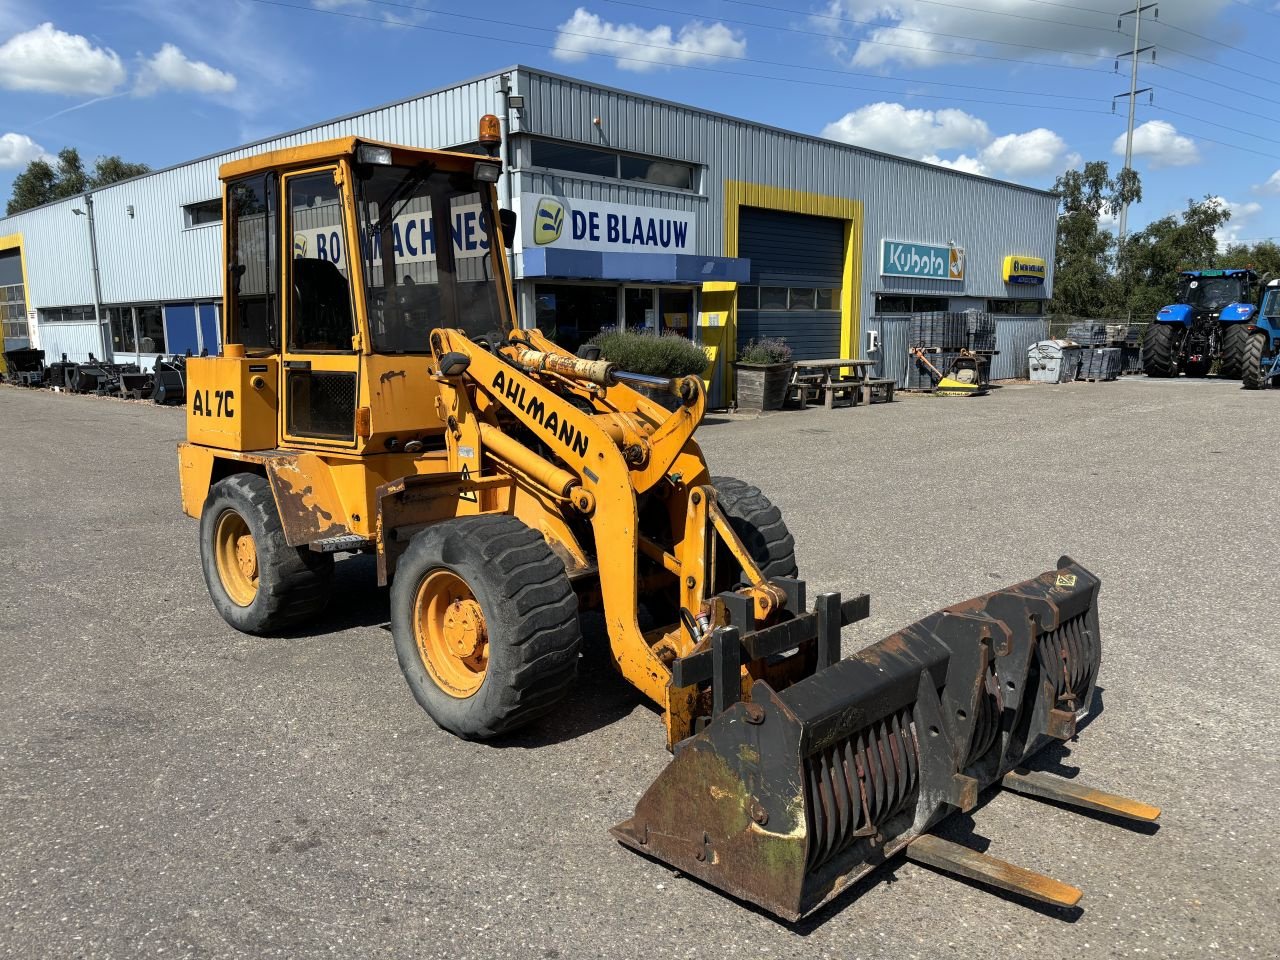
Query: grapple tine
pixel 962 862
pixel 1045 786
pixel 787 800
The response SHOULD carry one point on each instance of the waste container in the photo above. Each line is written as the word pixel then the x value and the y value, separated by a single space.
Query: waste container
pixel 1054 361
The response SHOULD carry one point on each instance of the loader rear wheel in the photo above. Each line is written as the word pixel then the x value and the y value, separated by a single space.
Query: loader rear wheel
pixel 258 583
pixel 1235 341
pixel 759 524
pixel 1251 372
pixel 485 624
pixel 1158 359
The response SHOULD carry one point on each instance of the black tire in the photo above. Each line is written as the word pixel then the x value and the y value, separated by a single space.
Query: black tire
pixel 530 618
pixel 1158 358
pixel 292 582
pixel 1251 367
pixel 759 524
pixel 1235 340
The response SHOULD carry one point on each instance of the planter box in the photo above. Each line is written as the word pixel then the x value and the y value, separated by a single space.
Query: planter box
pixel 762 386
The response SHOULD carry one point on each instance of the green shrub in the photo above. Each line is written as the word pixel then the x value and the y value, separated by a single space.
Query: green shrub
pixel 659 355
pixel 768 350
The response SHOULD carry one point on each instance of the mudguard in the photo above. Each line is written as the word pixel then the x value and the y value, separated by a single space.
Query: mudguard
pixel 1236 313
pixel 1175 313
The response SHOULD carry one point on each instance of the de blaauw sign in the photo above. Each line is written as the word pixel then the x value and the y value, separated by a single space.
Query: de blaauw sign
pixel 902 259
pixel 567 224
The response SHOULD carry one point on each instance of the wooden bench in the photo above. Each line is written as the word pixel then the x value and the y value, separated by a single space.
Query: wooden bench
pixel 852 389
pixel 875 389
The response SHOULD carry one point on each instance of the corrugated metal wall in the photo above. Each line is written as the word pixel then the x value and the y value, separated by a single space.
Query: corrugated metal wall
pixel 1014 336
pixel 76 340
pixel 891 357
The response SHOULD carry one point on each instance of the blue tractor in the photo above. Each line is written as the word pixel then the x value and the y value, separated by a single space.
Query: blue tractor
pixel 1262 350
pixel 1208 323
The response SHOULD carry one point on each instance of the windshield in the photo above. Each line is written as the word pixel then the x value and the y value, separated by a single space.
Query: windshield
pixel 1212 293
pixel 1271 303
pixel 414 284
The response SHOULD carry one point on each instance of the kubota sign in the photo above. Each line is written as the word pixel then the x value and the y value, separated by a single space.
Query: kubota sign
pixel 901 259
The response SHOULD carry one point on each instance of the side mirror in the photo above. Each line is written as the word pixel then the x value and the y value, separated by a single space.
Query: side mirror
pixel 509 221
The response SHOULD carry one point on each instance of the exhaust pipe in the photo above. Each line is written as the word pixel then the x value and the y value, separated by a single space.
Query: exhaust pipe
pixel 789 799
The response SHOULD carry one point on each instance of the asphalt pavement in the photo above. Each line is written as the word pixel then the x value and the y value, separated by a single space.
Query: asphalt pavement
pixel 170 788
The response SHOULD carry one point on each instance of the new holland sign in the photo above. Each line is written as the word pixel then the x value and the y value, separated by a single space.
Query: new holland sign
pixel 1024 270
pixel 570 224
pixel 900 259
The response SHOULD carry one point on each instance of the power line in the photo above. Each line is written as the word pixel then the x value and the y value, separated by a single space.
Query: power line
pixel 1200 136
pixel 1250 6
pixel 936 3
pixel 1201 36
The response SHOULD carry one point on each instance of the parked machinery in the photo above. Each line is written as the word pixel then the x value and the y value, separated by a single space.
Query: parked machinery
pixel 170 380
pixel 1208 324
pixel 506 486
pixel 1262 349
pixel 25 367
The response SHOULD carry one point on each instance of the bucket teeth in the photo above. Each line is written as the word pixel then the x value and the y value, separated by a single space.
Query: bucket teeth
pixel 788 799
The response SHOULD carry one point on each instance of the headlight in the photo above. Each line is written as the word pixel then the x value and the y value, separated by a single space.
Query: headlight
pixel 487 172
pixel 370 153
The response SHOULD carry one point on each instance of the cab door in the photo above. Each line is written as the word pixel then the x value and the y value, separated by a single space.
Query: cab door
pixel 320 366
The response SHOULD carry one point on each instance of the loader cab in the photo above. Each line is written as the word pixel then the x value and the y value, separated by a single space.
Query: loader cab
pixel 341 257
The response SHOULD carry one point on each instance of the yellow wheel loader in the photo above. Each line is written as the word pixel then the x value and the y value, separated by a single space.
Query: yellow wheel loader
pixel 376 393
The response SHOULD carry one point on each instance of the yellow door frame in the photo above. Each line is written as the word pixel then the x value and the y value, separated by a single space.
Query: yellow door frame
pixel 739 194
pixel 13 241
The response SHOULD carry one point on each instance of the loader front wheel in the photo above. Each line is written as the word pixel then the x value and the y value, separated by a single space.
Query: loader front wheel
pixel 485 623
pixel 759 524
pixel 258 583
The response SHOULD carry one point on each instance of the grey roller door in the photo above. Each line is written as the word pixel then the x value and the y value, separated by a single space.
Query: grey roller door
pixel 793 250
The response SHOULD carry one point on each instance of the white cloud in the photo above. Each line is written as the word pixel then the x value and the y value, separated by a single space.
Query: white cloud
pixel 1271 188
pixel 963 163
pixel 170 69
pixel 893 128
pixel 1033 153
pixel 918 33
pixel 51 61
pixel 18 150
pixel 1162 143
pixel 641 49
pixel 925 134
pixel 1239 225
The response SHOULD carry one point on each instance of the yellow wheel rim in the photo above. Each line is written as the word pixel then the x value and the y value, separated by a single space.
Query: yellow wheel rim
pixel 449 627
pixel 237 558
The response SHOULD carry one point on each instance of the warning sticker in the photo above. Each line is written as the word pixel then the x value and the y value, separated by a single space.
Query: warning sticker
pixel 1066 579
pixel 467 495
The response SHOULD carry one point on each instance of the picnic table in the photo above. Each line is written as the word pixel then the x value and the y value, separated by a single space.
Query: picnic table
pixel 814 379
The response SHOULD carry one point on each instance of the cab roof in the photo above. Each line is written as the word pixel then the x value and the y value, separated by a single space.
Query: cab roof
pixel 327 150
pixel 1221 273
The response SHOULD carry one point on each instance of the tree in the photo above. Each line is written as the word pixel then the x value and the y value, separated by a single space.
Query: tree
pixel 1153 257
pixel 1083 284
pixel 43 182
pixel 1263 256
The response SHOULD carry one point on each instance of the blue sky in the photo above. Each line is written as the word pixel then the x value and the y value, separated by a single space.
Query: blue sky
pixel 1017 89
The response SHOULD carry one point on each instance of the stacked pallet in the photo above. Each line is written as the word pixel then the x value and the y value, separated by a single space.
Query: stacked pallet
pixel 1100 364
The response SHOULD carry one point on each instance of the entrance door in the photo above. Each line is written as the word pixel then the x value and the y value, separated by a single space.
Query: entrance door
pixel 320 360
pixel 640 308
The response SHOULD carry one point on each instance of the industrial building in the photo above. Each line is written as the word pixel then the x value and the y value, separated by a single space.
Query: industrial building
pixel 633 211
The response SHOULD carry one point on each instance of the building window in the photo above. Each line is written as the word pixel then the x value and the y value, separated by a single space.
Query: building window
pixel 67 315
pixel 1019 308
pixel 888 304
pixel 13 311
pixel 121 320
pixel 576 158
pixel 801 299
pixel 199 214
pixel 150 329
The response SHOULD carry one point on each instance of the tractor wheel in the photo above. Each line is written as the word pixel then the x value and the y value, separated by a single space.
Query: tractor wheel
pixel 759 524
pixel 258 582
pixel 1158 359
pixel 1251 372
pixel 1235 340
pixel 485 623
